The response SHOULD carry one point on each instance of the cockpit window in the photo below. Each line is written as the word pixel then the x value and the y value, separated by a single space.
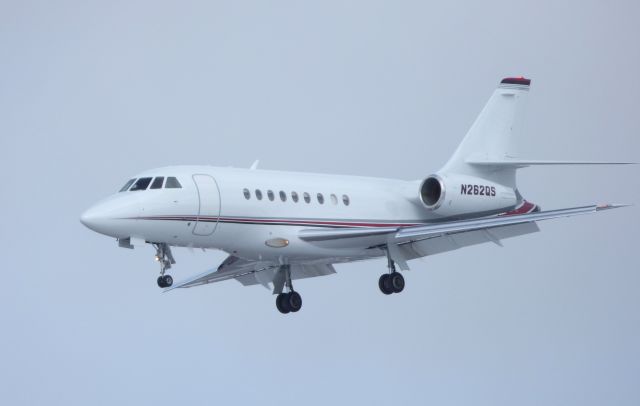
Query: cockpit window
pixel 127 185
pixel 141 184
pixel 157 183
pixel 172 183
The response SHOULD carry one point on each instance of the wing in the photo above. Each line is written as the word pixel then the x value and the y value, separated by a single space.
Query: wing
pixel 417 241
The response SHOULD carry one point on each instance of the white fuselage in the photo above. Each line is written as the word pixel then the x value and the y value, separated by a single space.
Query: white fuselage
pixel 210 210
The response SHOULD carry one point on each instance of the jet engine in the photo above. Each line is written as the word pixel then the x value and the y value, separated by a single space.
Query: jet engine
pixel 458 195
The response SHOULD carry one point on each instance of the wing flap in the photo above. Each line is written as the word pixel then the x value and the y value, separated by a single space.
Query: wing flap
pixel 298 271
pixel 252 273
pixel 232 267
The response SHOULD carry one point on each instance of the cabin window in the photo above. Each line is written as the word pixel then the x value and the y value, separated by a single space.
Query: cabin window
pixel 270 195
pixel 247 194
pixel 294 196
pixel 283 196
pixel 345 200
pixel 258 194
pixel 172 183
pixel 141 184
pixel 127 185
pixel 320 198
pixel 334 199
pixel 306 197
pixel 157 183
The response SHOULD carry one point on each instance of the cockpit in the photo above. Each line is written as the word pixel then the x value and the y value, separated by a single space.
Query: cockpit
pixel 159 182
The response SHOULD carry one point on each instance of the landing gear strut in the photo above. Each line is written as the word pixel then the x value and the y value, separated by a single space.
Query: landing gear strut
pixel 392 282
pixel 290 301
pixel 165 258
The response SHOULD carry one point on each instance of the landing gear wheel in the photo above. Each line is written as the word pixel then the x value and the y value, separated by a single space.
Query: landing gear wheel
pixel 164 281
pixel 282 303
pixel 168 280
pixel 286 302
pixel 384 283
pixel 294 300
pixel 397 282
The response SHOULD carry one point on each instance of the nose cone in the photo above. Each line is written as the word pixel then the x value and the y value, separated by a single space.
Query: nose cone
pixel 95 218
pixel 114 216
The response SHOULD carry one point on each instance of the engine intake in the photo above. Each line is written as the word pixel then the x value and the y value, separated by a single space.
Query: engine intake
pixel 432 192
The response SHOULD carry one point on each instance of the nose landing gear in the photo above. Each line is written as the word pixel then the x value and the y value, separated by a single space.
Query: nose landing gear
pixel 165 258
pixel 164 281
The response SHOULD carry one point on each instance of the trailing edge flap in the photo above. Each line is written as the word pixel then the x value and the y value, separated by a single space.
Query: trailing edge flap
pixel 298 271
pixel 232 267
pixel 252 273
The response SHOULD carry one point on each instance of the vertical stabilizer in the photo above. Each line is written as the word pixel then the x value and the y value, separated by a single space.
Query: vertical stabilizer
pixel 491 136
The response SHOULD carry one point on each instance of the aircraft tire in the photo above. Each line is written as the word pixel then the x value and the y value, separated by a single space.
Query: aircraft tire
pixel 167 280
pixel 282 303
pixel 161 282
pixel 294 300
pixel 384 284
pixel 397 282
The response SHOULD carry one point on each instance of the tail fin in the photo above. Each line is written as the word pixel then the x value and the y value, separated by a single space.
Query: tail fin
pixel 487 149
pixel 490 138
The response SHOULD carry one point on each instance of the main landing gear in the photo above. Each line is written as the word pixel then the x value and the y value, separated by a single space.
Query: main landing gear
pixel 290 301
pixel 165 258
pixel 392 282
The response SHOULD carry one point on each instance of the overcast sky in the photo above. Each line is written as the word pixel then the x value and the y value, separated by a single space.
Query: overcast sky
pixel 94 92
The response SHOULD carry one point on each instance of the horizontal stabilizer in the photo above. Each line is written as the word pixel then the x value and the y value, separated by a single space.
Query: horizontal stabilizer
pixel 522 163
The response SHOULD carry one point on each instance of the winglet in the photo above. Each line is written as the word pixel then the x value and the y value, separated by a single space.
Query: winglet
pixel 608 206
pixel 254 166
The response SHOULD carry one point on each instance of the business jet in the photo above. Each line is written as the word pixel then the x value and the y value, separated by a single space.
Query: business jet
pixel 278 227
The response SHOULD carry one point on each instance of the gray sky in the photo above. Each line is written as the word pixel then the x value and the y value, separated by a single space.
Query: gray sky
pixel 93 92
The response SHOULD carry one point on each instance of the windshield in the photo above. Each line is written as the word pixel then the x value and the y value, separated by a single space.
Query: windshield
pixel 141 184
pixel 157 183
pixel 172 183
pixel 127 185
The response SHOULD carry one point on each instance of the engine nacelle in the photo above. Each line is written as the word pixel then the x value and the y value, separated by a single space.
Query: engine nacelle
pixel 455 195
